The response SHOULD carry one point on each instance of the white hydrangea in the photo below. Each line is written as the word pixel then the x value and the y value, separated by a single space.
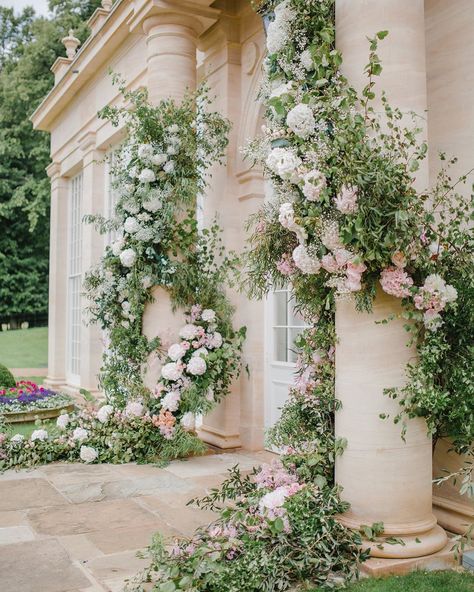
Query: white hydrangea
pixel 171 401
pixel 159 159
pixel 63 421
pixel 303 261
pixel 104 413
pixel 88 454
pixel 306 60
pixel 147 176
pixel 169 167
pixel 145 151
pixel 172 150
pixel 39 435
pixel 176 351
pixel 173 128
pixel 134 409
pixel 208 315
pixel 215 340
pixel 283 162
pixel 189 332
pixel 196 366
pixel 278 32
pixel 17 438
pixel 117 246
pixel 80 434
pixel 301 120
pixel 131 225
pixel 188 421
pixel 171 371
pixel 314 183
pixel 128 257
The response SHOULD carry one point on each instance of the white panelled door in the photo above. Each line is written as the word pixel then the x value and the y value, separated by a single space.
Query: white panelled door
pixel 282 326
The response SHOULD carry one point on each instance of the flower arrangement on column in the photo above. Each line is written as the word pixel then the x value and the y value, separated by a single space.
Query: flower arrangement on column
pixel 158 173
pixel 344 221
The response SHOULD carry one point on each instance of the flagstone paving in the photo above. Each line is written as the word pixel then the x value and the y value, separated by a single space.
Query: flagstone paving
pixel 78 528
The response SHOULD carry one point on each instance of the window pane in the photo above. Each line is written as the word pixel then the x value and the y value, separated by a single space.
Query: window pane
pixel 292 354
pixel 296 320
pixel 280 300
pixel 280 337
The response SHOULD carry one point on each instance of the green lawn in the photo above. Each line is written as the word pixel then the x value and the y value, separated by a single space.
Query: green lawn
pixel 24 348
pixel 438 581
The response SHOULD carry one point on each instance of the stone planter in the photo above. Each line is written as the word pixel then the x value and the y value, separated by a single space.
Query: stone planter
pixel 29 416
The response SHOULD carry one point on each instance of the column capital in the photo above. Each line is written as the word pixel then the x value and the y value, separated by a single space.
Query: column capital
pixel 194 14
pixel 53 170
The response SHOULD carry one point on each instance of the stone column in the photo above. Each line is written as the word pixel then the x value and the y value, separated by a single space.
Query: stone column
pixel 57 278
pixel 93 182
pixel 384 478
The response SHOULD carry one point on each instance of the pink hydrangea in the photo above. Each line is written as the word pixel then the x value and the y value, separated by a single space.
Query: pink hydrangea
pixel 329 263
pixel 396 282
pixel 273 475
pixel 286 266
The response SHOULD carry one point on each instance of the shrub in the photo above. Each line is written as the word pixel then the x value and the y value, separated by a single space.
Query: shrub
pixel 7 380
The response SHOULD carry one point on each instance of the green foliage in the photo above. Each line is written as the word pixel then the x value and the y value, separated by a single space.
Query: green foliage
pixel 251 549
pixel 7 380
pixel 28 47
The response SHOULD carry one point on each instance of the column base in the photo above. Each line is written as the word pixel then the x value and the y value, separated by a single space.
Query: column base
pixel 377 567
pixel 452 515
pixel 54 383
pixel 218 438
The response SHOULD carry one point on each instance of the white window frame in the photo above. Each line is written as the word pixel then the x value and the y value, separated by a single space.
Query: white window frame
pixel 74 282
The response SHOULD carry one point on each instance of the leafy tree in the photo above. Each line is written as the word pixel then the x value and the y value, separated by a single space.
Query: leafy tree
pixel 28 47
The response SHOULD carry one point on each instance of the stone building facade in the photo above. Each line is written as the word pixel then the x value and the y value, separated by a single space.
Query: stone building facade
pixel 169 45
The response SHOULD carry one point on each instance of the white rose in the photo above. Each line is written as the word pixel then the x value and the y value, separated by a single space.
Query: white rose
pixel 39 435
pixel 159 159
pixel 208 315
pixel 196 366
pixel 145 151
pixel 304 261
pixel 189 332
pixel 215 340
pixel 281 89
pixel 104 413
pixel 63 421
pixel 301 120
pixel 128 257
pixel 171 371
pixel 80 434
pixel 147 176
pixel 171 401
pixel 274 499
pixel 283 162
pixel 176 352
pixel 188 421
pixel 134 409
pixel 131 225
pixel 202 351
pixel 88 454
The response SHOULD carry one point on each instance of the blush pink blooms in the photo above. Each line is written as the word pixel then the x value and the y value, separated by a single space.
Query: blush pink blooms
pixel 396 282
pixel 286 266
pixel 354 273
pixel 273 475
pixel 346 200
pixel 329 263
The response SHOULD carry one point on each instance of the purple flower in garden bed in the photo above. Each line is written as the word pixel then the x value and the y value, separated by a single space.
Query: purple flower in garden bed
pixel 28 397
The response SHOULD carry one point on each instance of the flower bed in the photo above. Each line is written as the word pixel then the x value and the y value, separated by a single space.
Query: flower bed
pixel 27 397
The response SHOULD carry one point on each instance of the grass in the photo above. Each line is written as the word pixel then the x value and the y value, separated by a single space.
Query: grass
pixel 435 581
pixel 24 348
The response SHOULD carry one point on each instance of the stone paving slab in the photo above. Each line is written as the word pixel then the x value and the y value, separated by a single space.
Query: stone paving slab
pixel 78 528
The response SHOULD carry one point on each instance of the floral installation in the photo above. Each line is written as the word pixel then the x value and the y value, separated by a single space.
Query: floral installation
pixel 28 396
pixel 96 435
pixel 344 222
pixel 246 549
